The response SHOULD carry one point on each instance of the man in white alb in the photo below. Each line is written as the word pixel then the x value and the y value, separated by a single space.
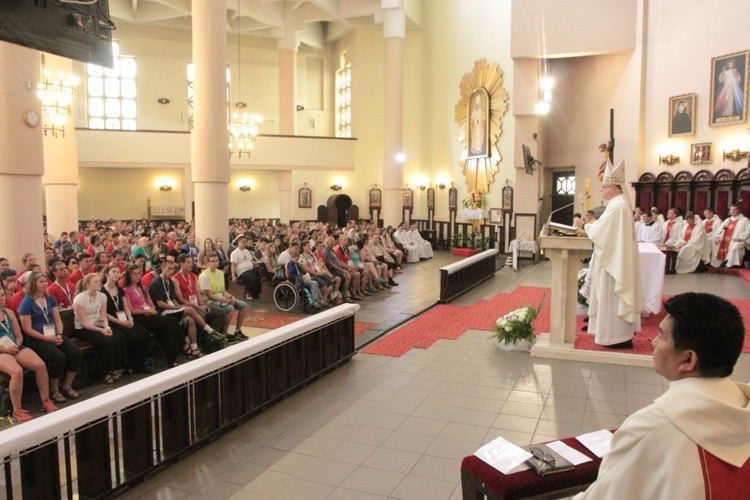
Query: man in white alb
pixel 413 251
pixel 692 247
pixel 731 239
pixel 417 238
pixel 650 231
pixel 615 304
pixel 673 227
pixel 693 442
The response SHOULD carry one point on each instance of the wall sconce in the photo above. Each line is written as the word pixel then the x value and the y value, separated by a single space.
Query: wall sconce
pixel 735 155
pixel 336 187
pixel 440 186
pixel 422 187
pixel 669 159
pixel 245 188
pixel 165 188
pixel 163 100
pixel 300 107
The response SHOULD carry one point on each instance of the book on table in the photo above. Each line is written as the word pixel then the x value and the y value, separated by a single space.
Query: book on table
pixel 546 461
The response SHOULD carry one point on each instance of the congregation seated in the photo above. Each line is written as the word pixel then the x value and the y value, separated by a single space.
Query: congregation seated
pixel 414 251
pixel 694 440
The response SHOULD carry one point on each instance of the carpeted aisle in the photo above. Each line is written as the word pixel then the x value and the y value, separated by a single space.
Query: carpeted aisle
pixel 450 322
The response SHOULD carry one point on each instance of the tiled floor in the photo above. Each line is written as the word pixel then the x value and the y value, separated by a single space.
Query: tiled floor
pixel 382 427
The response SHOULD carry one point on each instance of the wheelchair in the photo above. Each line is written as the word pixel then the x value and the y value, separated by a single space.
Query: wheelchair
pixel 290 294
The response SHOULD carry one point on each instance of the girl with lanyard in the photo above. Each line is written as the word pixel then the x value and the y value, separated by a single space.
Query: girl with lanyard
pixel 120 318
pixel 14 357
pixel 43 333
pixel 91 325
pixel 165 329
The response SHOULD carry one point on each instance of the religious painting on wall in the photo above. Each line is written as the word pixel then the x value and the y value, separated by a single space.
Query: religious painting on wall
pixel 508 199
pixel 700 153
pixel 375 198
pixel 729 89
pixel 304 198
pixel 682 115
pixel 453 199
pixel 477 116
pixel 407 198
pixel 431 198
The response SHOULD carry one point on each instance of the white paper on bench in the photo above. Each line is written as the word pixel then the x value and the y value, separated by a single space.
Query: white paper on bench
pixel 503 455
pixel 597 442
pixel 568 453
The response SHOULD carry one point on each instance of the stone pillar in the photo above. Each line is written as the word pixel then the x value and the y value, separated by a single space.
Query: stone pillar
pixel 285 195
pixel 209 156
pixel 394 32
pixel 21 161
pixel 288 84
pixel 61 167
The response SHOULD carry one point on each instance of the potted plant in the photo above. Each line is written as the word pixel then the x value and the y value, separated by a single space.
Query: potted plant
pixel 459 240
pixel 514 331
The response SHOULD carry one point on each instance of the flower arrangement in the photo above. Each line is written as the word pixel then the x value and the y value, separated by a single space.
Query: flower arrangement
pixel 475 200
pixel 516 325
pixel 581 280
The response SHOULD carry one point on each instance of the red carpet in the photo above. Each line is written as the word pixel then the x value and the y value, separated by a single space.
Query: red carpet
pixel 741 272
pixel 451 321
pixel 273 321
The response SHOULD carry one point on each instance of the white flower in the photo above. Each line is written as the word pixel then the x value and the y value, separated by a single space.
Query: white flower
pixel 508 328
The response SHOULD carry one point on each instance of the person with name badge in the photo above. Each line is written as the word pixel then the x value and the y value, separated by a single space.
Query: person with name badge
pixel 42 329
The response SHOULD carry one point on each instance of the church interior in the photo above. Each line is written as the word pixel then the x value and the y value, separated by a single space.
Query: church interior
pixel 353 96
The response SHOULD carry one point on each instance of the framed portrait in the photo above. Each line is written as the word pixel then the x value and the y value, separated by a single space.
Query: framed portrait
pixel 478 119
pixel 431 198
pixel 728 89
pixel 376 197
pixel 701 153
pixel 407 198
pixel 496 216
pixel 304 198
pixel 453 199
pixel 508 199
pixel 682 115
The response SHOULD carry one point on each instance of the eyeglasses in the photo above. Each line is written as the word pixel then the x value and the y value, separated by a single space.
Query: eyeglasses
pixel 542 456
pixel 74 262
pixel 8 272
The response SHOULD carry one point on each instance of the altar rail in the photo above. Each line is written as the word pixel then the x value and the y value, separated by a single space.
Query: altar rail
pixel 100 447
pixel 462 276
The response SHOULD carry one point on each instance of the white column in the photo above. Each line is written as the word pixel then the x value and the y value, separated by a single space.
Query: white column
pixel 285 195
pixel 394 32
pixel 61 167
pixel 287 48
pixel 21 160
pixel 209 155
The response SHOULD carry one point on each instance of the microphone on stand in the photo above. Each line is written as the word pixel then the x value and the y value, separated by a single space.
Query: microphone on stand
pixel 545 228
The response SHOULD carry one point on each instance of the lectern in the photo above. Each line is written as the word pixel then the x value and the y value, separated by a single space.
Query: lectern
pixel 565 252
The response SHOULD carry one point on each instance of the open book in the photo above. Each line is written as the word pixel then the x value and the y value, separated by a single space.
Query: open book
pixel 563 228
pixel 545 461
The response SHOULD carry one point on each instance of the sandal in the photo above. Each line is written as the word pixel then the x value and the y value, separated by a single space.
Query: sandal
pixel 116 375
pixel 69 393
pixel 57 397
pixel 194 353
pixel 108 379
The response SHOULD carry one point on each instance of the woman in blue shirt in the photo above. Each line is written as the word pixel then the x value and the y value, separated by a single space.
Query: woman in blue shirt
pixel 42 326
pixel 14 357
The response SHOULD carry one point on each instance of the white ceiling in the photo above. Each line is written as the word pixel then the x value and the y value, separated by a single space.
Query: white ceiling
pixel 316 21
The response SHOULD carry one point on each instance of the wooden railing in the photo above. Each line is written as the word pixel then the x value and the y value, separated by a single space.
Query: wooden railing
pixel 462 276
pixel 104 445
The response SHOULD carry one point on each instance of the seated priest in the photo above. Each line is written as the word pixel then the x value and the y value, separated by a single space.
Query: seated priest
pixel 693 247
pixel 731 239
pixel 694 440
pixel 673 227
pixel 649 231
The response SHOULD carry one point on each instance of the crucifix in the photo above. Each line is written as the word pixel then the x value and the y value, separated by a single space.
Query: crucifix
pixel 608 148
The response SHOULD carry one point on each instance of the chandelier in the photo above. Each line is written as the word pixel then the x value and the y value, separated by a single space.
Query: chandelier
pixel 243 128
pixel 57 97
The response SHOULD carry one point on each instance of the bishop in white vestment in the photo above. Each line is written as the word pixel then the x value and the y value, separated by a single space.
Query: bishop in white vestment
pixel 615 305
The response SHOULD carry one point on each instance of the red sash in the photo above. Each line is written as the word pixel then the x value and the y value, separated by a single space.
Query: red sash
pixel 723 480
pixel 688 232
pixel 721 254
pixel 708 226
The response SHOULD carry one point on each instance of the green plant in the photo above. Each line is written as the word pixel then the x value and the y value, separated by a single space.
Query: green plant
pixel 516 325
pixel 458 240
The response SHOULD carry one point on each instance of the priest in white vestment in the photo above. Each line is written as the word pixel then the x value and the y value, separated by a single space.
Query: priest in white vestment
pixel 731 239
pixel 672 228
pixel 693 442
pixel 711 222
pixel 615 305
pixel 649 231
pixel 413 251
pixel 693 247
pixel 417 238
